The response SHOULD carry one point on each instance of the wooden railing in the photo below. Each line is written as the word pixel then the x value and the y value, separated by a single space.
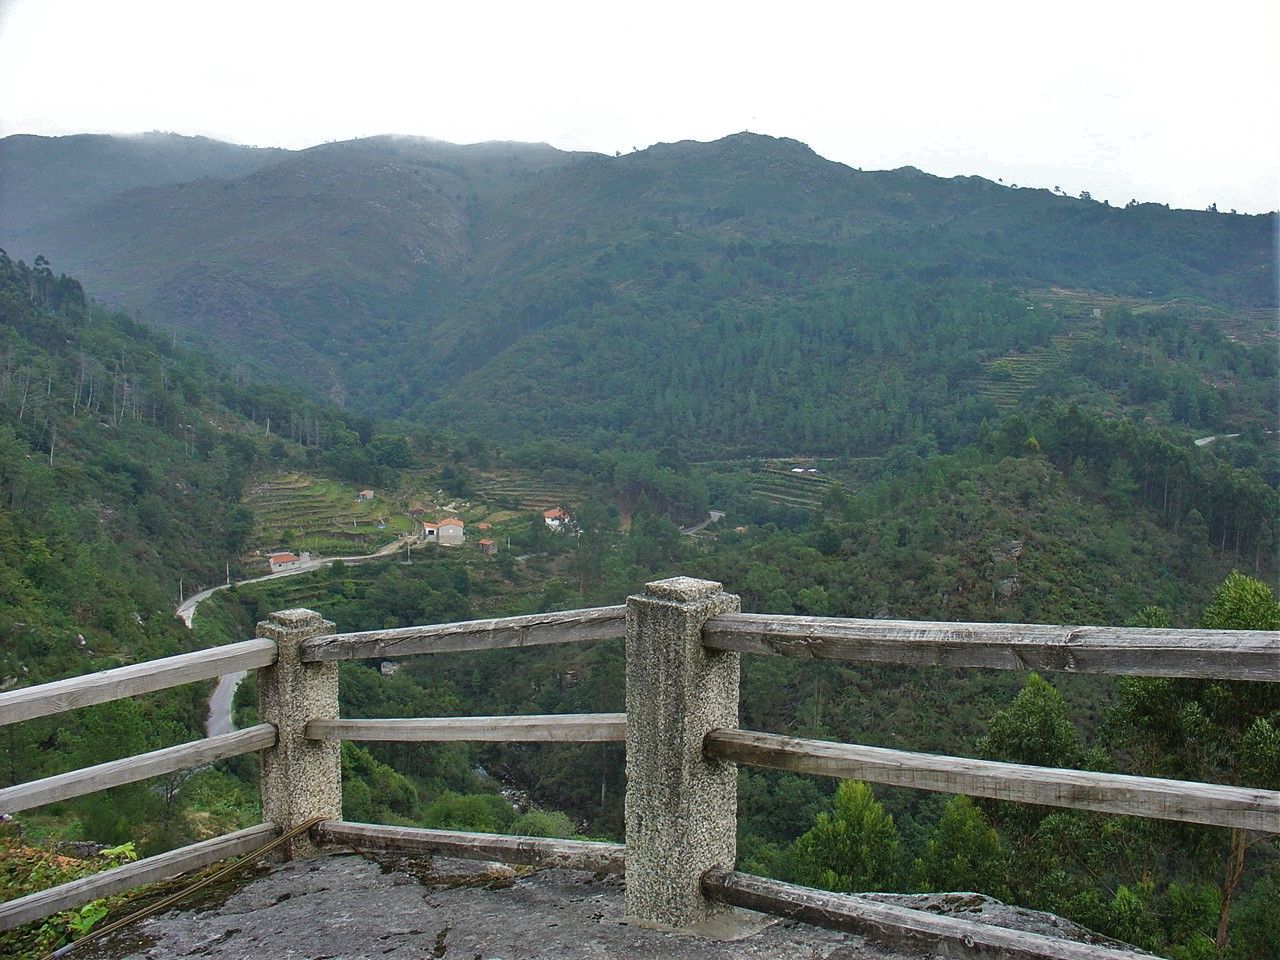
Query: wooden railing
pixel 53 698
pixel 684 638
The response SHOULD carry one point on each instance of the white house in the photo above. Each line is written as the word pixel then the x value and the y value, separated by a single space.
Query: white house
pixel 451 532
pixel 555 518
pixel 430 532
pixel 280 562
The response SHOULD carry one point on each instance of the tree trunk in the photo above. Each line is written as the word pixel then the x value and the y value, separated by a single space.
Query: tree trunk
pixel 1236 848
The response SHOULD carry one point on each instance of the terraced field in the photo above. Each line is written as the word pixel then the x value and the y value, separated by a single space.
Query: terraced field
pixel 777 483
pixel 297 512
pixel 1007 379
pixel 521 491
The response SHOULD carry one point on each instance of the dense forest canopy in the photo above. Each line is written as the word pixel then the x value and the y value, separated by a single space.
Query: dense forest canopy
pixel 740 295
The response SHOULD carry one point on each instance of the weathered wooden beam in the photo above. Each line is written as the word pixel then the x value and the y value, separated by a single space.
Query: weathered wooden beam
pixel 1138 651
pixel 531 851
pixel 914 931
pixel 164 866
pixel 567 626
pixel 546 728
pixel 1182 800
pixel 137 678
pixel 184 756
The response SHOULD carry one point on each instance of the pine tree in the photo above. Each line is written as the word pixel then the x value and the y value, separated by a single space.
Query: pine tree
pixel 852 849
pixel 964 852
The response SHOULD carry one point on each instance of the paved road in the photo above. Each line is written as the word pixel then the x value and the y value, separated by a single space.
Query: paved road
pixel 712 517
pixel 219 719
pixel 187 609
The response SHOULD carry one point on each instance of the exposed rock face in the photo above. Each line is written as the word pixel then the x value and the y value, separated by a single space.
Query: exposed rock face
pixel 351 907
pixel 984 909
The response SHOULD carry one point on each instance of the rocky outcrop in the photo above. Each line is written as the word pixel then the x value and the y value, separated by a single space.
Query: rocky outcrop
pixel 350 907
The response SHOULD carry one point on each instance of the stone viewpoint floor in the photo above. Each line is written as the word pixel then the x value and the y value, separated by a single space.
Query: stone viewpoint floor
pixel 348 906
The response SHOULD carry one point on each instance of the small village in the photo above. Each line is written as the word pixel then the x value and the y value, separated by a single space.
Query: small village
pixel 303 522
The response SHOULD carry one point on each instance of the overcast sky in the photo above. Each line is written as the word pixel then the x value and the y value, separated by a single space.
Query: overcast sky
pixel 1172 102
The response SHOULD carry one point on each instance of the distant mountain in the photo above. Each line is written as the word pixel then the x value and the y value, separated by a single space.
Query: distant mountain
pixel 517 289
pixel 44 178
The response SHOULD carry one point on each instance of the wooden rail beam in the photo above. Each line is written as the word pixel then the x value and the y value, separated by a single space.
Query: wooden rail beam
pixel 28 703
pixel 546 728
pixel 1181 800
pixel 1135 651
pixel 184 756
pixel 164 866
pixel 567 626
pixel 914 931
pixel 531 851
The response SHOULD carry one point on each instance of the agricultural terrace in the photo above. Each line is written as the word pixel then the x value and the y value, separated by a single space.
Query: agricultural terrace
pixel 294 511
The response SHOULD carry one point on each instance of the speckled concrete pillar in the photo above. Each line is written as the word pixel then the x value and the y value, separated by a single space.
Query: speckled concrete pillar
pixel 681 807
pixel 301 778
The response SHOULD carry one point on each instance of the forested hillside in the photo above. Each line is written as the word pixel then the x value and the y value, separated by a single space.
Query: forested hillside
pixel 744 294
pixel 122 464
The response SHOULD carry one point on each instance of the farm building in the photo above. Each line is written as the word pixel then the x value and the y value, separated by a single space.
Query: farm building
pixel 429 532
pixel 279 562
pixel 451 532
pixel 488 547
pixel 555 518
pixel 364 495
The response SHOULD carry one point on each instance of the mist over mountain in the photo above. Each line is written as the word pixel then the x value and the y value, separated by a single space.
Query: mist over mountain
pixel 44 178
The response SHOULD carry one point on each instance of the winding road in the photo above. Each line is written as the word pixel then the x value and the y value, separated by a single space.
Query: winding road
pixel 712 517
pixel 219 720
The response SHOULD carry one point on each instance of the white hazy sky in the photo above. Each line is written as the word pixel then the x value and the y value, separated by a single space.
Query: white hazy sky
pixel 1170 101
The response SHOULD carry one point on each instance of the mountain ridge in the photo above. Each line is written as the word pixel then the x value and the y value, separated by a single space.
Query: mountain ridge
pixel 382 271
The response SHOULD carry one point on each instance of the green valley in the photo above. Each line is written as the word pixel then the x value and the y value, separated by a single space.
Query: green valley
pixel 838 392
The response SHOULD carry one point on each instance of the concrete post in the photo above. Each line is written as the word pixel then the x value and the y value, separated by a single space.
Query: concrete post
pixel 301 778
pixel 681 812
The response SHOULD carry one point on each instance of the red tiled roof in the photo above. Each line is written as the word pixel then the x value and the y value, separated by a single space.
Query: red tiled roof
pixel 555 513
pixel 430 526
pixel 451 522
pixel 284 557
pixel 486 542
